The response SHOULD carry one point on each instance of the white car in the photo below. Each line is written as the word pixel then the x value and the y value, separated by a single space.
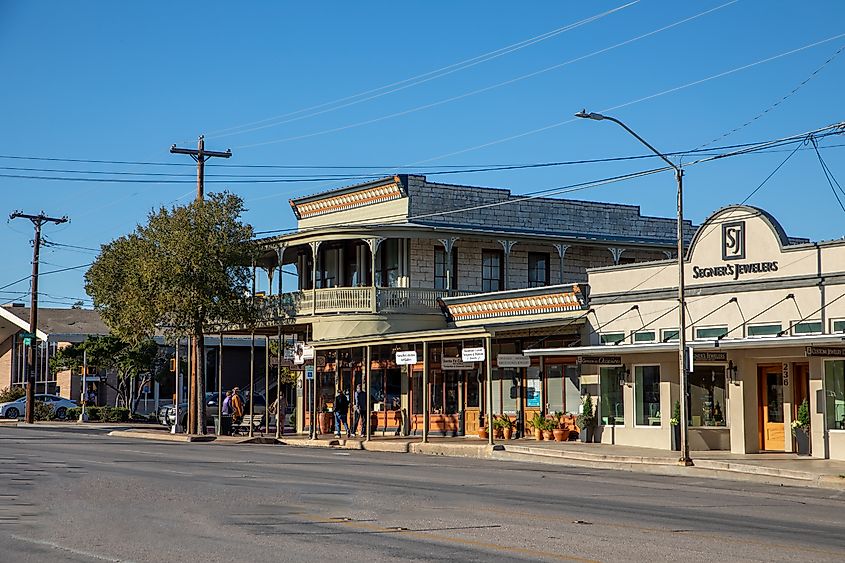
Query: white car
pixel 15 409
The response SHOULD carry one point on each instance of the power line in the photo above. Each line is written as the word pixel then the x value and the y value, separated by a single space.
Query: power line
pixel 484 89
pixel 827 174
pixel 408 82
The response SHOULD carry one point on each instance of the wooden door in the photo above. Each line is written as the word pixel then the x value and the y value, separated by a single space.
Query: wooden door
pixel 771 417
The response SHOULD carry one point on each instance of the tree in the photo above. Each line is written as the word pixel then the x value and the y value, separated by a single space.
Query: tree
pixel 187 268
pixel 135 363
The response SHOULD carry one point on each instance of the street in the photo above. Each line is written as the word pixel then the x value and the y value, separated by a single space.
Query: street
pixel 84 496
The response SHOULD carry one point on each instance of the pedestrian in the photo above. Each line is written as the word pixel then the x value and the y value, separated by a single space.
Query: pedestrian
pixel 341 410
pixel 237 406
pixel 278 409
pixel 226 407
pixel 360 406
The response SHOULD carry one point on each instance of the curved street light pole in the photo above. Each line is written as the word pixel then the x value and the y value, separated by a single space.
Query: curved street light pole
pixel 682 343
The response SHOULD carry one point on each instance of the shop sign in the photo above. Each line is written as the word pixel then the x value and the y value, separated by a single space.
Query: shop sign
pixel 473 354
pixel 302 352
pixel 825 351
pixel 532 393
pixel 406 358
pixel 455 364
pixel 600 360
pixel 513 361
pixel 710 356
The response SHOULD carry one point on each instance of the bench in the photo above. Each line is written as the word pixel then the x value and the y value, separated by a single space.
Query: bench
pixel 248 421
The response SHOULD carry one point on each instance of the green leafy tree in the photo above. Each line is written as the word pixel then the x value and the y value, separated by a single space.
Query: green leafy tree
pixel 187 268
pixel 133 362
pixel 9 394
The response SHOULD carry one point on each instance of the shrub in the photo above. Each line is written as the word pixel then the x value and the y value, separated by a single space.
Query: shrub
pixel 586 418
pixel 802 420
pixel 115 414
pixel 41 411
pixel 73 413
pixel 9 394
pixel 94 413
pixel 676 414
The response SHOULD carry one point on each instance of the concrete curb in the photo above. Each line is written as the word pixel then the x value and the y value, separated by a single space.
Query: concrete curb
pixel 588 456
pixel 161 437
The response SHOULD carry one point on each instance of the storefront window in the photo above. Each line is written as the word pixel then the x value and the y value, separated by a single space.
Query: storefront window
pixel 834 390
pixel 554 388
pixel 668 334
pixel 764 330
pixel 417 392
pixel 472 388
pixel 644 336
pixel 612 337
pixel 647 393
pixel 393 396
pixel 611 407
pixel 707 396
pixel 711 332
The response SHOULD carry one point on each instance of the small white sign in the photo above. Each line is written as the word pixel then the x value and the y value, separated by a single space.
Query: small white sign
pixel 473 355
pixel 513 361
pixel 302 352
pixel 406 358
pixel 455 364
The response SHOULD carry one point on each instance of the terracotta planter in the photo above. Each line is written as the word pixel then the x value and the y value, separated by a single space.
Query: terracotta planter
pixel 548 435
pixel 561 434
pixel 538 434
pixel 498 433
pixel 482 433
pixel 326 422
pixel 507 433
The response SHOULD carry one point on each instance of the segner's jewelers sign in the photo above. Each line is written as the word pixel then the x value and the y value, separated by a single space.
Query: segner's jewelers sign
pixel 733 248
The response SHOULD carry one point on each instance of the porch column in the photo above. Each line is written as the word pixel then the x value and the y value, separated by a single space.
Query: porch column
pixel 367 371
pixel 280 253
pixel 448 245
pixel 488 345
pixel 270 272
pixel 616 252
pixel 507 245
pixel 424 392
pixel 374 244
pixel 561 252
pixel 251 379
pixel 280 414
pixel 219 377
pixel 315 253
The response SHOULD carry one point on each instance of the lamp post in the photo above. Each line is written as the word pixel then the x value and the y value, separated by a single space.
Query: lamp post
pixel 682 364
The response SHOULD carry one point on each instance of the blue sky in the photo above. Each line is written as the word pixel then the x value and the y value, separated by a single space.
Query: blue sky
pixel 123 81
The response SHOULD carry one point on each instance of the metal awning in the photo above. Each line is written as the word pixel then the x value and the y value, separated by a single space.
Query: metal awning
pixel 711 344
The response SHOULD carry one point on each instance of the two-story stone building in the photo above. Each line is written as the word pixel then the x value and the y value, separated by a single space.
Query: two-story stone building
pixel 405 264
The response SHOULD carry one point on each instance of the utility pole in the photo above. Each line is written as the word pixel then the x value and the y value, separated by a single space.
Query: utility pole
pixel 38 221
pixel 196 386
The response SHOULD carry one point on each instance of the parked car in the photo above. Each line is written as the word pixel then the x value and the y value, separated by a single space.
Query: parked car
pixel 167 415
pixel 60 405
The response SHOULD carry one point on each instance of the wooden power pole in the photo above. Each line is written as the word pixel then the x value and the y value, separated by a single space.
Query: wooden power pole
pixel 196 383
pixel 38 221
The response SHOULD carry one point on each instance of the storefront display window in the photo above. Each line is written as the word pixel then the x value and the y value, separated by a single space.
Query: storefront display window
pixel 611 407
pixel 707 396
pixel 647 394
pixel 834 390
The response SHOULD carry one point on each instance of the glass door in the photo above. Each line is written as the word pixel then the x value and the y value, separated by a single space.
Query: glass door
pixel 772 432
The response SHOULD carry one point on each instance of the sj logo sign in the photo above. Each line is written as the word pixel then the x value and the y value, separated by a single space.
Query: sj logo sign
pixel 733 241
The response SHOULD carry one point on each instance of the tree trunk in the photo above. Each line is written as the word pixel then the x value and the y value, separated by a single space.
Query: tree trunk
pixel 199 370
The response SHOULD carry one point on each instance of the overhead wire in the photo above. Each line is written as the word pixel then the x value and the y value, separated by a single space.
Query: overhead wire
pixel 408 82
pixel 484 89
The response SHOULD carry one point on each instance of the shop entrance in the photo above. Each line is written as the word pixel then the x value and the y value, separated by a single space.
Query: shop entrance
pixel 770 407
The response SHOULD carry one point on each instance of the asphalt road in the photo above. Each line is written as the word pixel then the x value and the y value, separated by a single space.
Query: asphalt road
pixel 68 496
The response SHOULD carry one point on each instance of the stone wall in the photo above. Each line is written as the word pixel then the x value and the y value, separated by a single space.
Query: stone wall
pixel 549 215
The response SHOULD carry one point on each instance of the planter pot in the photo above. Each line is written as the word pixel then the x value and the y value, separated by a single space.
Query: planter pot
pixel 538 434
pixel 587 434
pixel 802 439
pixel 483 434
pixel 507 433
pixel 548 435
pixel 676 437
pixel 561 434
pixel 326 422
pixel 498 433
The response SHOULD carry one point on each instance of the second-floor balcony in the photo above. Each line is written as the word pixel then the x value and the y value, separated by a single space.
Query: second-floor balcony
pixel 343 300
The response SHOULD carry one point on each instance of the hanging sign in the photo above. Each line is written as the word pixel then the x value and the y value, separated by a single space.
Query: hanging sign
pixel 302 352
pixel 455 364
pixel 513 361
pixel 406 358
pixel 825 351
pixel 710 356
pixel 599 360
pixel 473 355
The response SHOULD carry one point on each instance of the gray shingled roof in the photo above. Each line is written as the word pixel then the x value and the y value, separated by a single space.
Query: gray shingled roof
pixel 63 321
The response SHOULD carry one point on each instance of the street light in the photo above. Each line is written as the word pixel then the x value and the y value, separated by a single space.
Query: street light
pixel 682 364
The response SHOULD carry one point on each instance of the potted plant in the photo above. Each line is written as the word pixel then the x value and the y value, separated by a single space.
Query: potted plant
pixel 560 431
pixel 482 429
pixel 326 421
pixel 801 428
pixel 675 423
pixel 586 419
pixel 536 425
pixel 548 429
pixel 505 425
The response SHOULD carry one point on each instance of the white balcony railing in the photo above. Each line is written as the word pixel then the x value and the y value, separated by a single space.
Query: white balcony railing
pixel 353 300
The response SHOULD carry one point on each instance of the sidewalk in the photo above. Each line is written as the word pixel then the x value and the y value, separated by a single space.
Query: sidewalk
pixel 769 467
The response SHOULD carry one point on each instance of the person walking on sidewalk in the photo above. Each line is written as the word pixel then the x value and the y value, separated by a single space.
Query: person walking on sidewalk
pixel 341 410
pixel 360 405
pixel 237 406
pixel 226 407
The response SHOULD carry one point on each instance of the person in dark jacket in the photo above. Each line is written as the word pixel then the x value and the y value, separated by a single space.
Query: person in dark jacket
pixel 360 405
pixel 341 410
